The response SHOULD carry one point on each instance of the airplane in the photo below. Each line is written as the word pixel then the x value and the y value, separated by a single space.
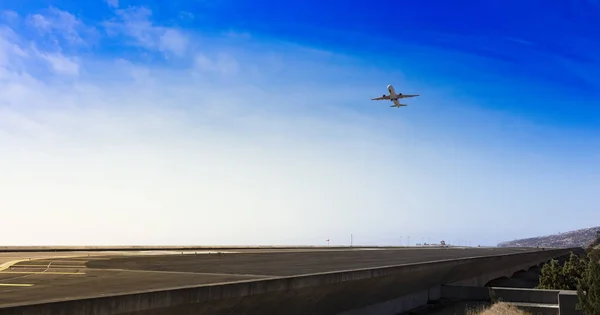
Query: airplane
pixel 394 97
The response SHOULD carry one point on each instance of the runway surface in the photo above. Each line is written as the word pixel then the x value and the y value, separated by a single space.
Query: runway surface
pixel 52 276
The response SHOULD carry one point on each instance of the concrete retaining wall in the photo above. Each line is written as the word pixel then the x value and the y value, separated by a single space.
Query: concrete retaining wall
pixel 501 294
pixel 323 293
pixel 399 305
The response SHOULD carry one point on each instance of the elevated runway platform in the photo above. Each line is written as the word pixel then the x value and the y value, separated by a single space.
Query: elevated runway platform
pixel 239 280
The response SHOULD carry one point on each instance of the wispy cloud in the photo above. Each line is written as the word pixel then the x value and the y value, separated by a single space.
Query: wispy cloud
pixel 135 23
pixel 9 16
pixel 222 63
pixel 9 50
pixel 60 64
pixel 61 27
pixel 113 3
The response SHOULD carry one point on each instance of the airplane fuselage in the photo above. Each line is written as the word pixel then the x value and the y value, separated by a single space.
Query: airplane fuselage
pixel 393 94
pixel 394 97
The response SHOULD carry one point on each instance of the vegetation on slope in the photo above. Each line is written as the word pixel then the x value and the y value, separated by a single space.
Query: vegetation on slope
pixel 577 238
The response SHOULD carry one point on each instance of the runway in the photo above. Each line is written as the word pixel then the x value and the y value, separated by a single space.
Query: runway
pixel 47 277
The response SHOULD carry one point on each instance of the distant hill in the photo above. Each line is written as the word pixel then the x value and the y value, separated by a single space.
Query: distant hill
pixel 577 238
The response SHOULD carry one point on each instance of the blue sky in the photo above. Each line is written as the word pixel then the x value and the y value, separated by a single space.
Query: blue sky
pixel 249 122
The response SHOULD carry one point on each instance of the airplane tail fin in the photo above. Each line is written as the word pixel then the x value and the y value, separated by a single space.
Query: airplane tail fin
pixel 399 105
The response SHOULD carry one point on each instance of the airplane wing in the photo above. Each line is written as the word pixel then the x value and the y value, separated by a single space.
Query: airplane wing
pixel 385 97
pixel 413 95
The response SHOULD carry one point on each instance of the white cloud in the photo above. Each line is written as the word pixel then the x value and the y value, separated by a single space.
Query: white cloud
pixel 134 22
pixel 10 18
pixel 9 49
pixel 113 3
pixel 222 63
pixel 16 56
pixel 160 155
pixel 10 15
pixel 61 64
pixel 185 15
pixel 59 24
pixel 40 22
pixel 173 41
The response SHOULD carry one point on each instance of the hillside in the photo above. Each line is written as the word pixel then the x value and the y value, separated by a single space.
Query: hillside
pixel 577 238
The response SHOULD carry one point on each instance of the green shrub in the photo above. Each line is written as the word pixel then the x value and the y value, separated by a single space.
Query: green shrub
pixel 565 277
pixel 552 277
pixel 573 270
pixel 577 273
pixel 588 289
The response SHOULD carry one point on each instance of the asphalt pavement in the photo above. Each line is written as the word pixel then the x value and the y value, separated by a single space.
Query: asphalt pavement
pixel 47 278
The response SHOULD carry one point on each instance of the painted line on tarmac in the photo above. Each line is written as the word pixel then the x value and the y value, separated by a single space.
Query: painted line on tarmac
pixel 42 273
pixel 15 285
pixel 9 264
pixel 59 261
pixel 44 266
